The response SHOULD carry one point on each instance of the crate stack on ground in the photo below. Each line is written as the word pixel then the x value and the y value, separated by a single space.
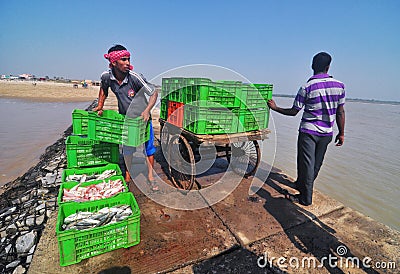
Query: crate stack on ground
pixel 202 106
pixel 92 172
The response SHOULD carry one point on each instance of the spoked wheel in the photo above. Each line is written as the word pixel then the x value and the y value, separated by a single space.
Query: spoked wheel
pixel 244 157
pixel 164 137
pixel 228 152
pixel 181 163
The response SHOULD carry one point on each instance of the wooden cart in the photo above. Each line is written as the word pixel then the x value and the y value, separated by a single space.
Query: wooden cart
pixel 181 147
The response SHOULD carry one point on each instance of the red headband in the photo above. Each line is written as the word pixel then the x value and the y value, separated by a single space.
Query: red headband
pixel 116 55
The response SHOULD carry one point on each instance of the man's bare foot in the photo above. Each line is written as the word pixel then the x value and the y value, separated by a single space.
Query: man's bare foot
pixel 127 177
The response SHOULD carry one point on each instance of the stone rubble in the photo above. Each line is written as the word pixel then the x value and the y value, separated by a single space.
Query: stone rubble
pixel 25 242
pixel 19 270
pixel 27 203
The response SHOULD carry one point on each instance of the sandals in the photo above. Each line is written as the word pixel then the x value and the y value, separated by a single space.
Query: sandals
pixel 293 198
pixel 152 185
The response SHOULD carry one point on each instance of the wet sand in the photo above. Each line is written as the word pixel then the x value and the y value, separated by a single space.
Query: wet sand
pixel 47 91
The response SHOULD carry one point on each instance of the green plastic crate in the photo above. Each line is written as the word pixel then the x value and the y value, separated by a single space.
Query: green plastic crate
pixel 77 245
pixel 225 93
pixel 193 87
pixel 135 132
pixel 265 90
pixel 204 120
pixel 90 171
pixel 253 98
pixel 69 185
pixel 164 109
pixel 79 122
pixel 83 152
pixel 254 119
pixel 172 89
pixel 112 127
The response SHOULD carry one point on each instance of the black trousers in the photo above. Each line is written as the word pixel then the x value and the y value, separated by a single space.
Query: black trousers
pixel 310 155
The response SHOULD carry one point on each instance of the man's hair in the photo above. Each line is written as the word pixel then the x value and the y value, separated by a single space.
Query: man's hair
pixel 116 48
pixel 321 61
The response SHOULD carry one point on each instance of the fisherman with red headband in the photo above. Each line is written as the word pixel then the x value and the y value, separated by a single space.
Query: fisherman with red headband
pixel 130 88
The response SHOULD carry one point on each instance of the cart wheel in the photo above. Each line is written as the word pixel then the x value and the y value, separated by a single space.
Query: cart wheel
pixel 228 152
pixel 164 139
pixel 164 136
pixel 181 164
pixel 244 157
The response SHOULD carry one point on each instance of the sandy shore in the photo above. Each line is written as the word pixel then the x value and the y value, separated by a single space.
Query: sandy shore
pixel 47 91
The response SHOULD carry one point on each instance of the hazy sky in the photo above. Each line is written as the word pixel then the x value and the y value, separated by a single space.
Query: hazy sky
pixel 265 41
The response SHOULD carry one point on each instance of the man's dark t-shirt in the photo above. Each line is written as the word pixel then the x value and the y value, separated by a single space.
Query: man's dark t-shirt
pixel 133 90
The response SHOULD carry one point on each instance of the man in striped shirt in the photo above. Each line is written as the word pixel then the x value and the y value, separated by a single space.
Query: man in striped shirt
pixel 323 100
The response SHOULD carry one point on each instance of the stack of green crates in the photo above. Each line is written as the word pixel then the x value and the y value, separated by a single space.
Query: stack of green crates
pixel 88 155
pixel 217 107
pixel 76 245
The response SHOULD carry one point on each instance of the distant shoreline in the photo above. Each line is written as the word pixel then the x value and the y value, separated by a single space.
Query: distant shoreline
pixel 65 92
pixel 372 101
pixel 47 91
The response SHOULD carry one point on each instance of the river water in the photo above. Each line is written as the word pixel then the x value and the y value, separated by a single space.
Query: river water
pixel 27 128
pixel 362 174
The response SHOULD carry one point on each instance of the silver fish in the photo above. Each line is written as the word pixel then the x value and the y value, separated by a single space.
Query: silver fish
pixel 77 216
pixel 87 222
pixel 99 216
pixel 107 174
pixel 87 178
pixel 75 178
pixel 106 215
pixel 83 178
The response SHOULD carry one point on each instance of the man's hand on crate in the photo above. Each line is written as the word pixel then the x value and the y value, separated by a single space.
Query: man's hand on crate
pixel 99 110
pixel 145 115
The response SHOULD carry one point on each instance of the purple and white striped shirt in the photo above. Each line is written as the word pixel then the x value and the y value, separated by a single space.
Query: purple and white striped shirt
pixel 320 98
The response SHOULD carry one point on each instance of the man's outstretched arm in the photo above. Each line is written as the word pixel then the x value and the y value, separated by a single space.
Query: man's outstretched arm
pixel 285 111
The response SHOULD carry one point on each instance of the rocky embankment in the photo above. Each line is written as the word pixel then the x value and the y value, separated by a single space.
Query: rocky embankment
pixel 26 204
